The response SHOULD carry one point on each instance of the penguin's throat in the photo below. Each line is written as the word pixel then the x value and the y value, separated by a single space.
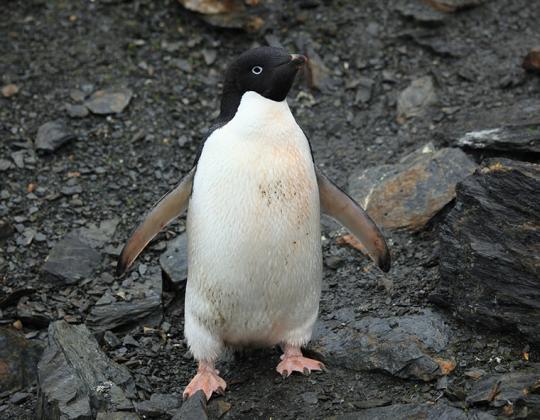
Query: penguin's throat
pixel 256 110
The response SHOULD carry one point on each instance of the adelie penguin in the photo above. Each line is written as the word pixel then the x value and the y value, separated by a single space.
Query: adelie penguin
pixel 254 200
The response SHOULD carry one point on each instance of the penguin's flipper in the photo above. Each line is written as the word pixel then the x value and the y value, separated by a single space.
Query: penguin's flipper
pixel 165 211
pixel 338 205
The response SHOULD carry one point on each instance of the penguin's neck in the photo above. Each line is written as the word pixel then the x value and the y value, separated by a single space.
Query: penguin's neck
pixel 256 111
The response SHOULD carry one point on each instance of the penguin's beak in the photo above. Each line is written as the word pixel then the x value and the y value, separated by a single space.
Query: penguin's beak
pixel 298 60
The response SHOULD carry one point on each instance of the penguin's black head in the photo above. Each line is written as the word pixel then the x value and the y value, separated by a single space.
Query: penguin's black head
pixel 269 71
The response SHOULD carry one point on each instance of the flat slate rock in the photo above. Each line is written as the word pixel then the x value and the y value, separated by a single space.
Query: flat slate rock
pixel 109 101
pixel 419 11
pixel 174 261
pixel 408 194
pixel 439 411
pixel 517 393
pixel 18 360
pixel 194 408
pixel 159 405
pixel 511 128
pixel 405 346
pixel 416 98
pixel 52 135
pixel 137 301
pixel 490 249
pixel 71 259
pixel 77 380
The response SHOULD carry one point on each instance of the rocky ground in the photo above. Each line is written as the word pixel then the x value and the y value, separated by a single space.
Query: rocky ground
pixel 103 105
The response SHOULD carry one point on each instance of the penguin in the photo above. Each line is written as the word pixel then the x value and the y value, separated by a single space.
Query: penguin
pixel 254 198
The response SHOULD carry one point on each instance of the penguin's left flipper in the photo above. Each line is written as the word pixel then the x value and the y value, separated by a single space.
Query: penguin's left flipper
pixel 165 211
pixel 338 205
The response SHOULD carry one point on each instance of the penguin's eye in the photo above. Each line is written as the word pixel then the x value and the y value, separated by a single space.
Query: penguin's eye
pixel 257 70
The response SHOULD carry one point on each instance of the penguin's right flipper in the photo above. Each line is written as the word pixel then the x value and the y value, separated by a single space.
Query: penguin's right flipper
pixel 338 205
pixel 165 211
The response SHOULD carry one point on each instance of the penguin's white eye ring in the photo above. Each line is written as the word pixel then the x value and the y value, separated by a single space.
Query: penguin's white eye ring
pixel 257 70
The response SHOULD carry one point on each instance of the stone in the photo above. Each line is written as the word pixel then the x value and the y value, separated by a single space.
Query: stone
pixel 109 101
pixel 531 62
pixel 194 408
pixel 516 393
pixel 401 346
pixel 139 301
pixel 511 128
pixel 111 339
pixel 454 5
pixel 19 397
pixel 18 360
pixel 174 262
pixel 439 411
pixel 33 313
pixel 6 229
pixel 433 41
pixel 318 74
pixel 408 194
pixel 71 260
pixel 76 111
pixel 4 165
pixel 98 236
pixel 159 405
pixel 416 98
pixel 364 90
pixel 76 379
pixel 490 272
pixel 9 90
pixel 117 415
pixel 419 11
pixel 51 135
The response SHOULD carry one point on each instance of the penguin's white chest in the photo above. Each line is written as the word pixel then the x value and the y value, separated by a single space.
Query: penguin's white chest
pixel 254 230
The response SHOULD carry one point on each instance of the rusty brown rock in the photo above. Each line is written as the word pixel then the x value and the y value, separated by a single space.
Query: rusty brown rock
pixel 109 101
pixel 408 194
pixel 450 6
pixel 531 62
pixel 9 90
pixel 231 14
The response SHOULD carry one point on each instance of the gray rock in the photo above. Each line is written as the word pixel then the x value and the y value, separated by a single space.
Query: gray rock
pixel 19 397
pixel 408 194
pixel 364 90
pixel 402 346
pixel 516 391
pixel 98 236
pixel 159 405
pixel 117 415
pixel 109 101
pixel 4 165
pixel 419 11
pixel 454 5
pixel 439 411
pixel 416 98
pixel 111 339
pixel 52 135
pixel 6 230
pixel 174 261
pixel 193 408
pixel 76 111
pixel 490 272
pixel 511 128
pixel 76 379
pixel 71 259
pixel 18 360
pixel 141 303
pixel 435 42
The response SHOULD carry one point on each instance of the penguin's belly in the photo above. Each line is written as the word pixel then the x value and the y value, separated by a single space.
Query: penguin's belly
pixel 255 262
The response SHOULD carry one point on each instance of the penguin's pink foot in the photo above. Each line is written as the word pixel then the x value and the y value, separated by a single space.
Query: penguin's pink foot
pixel 207 380
pixel 292 360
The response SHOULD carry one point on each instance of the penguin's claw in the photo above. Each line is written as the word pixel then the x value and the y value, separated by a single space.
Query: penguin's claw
pixel 207 380
pixel 290 364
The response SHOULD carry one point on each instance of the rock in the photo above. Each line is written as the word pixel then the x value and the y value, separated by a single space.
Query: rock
pixel 76 111
pixel 109 101
pixel 233 14
pixel 364 90
pixel 416 98
pixel 516 393
pixel 401 346
pixel 408 194
pixel 6 230
pixel 453 5
pixel 117 415
pixel 9 90
pixel 111 339
pixel 318 75
pixel 98 236
pixel 18 360
pixel 490 272
pixel 4 165
pixel 33 313
pixel 194 408
pixel 138 301
pixel 433 41
pixel 76 379
pixel 511 128
pixel 174 261
pixel 52 135
pixel 71 259
pixel 437 411
pixel 159 405
pixel 531 62
pixel 419 11
pixel 19 398
pixel 218 408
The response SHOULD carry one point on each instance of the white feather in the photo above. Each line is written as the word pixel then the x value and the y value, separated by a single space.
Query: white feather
pixel 255 262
